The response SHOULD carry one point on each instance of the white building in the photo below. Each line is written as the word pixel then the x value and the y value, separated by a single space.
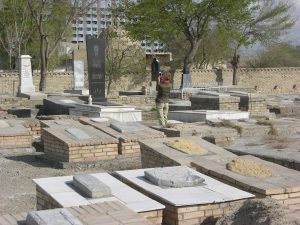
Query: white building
pixel 97 18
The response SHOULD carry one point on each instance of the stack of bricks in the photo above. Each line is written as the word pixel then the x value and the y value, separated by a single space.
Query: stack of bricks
pixel 135 100
pixel 14 135
pixel 61 147
pixel 45 201
pixel 197 214
pixel 207 102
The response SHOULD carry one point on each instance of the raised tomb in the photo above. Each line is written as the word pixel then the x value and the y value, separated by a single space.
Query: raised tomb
pixel 14 135
pixel 84 190
pixel 79 143
pixel 127 134
pixel 109 212
pixel 189 197
pixel 283 184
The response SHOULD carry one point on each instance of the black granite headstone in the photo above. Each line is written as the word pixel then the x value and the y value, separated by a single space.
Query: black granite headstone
pixel 96 68
pixel 154 69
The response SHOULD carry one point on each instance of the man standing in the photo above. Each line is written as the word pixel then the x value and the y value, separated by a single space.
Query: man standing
pixel 162 99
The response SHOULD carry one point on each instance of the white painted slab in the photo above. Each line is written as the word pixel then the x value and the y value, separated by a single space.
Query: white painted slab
pixel 26 82
pixel 212 192
pixel 58 188
pixel 191 116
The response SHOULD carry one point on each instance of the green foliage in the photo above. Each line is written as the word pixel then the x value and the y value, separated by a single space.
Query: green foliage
pixel 279 55
pixel 123 57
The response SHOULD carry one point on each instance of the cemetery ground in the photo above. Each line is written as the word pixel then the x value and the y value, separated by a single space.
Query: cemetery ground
pixel 17 170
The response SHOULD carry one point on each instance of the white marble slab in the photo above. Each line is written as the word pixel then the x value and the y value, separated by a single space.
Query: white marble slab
pixel 212 192
pixel 59 188
pixel 191 116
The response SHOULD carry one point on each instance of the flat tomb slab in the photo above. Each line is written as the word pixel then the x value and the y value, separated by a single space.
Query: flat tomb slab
pixel 186 203
pixel 61 122
pixel 127 133
pixel 110 212
pixel 130 131
pixel 14 135
pixel 193 129
pixel 190 116
pixel 282 180
pixel 77 144
pixel 60 192
pixel 160 153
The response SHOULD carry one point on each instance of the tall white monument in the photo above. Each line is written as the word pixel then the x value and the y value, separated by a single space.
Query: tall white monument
pixel 26 86
pixel 78 79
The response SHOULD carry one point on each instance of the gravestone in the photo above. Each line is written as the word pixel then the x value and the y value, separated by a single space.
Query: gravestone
pixel 26 82
pixel 96 68
pixel 78 134
pixel 155 67
pixel 126 127
pixel 91 186
pixel 52 217
pixel 176 177
pixel 186 81
pixel 78 88
pixel 26 87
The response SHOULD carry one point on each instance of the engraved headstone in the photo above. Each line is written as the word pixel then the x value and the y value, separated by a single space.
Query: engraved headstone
pixel 100 120
pixel 52 217
pixel 91 186
pixel 126 127
pixel 174 177
pixel 96 68
pixel 26 82
pixel 59 122
pixel 78 134
pixel 78 74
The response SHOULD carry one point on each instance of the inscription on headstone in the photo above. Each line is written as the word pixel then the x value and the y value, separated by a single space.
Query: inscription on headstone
pixel 96 68
pixel 78 74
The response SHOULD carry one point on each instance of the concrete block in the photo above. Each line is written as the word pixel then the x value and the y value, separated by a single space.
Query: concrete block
pixel 173 177
pixel 91 186
pixel 52 217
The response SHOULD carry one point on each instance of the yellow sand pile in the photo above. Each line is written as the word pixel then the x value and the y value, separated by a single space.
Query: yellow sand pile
pixel 248 167
pixel 186 146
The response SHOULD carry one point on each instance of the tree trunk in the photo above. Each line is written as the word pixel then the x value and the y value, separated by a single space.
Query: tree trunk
pixel 189 58
pixel 235 64
pixel 109 85
pixel 44 65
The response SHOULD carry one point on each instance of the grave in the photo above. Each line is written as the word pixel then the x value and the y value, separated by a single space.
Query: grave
pixel 195 129
pixel 60 122
pixel 26 88
pixel 109 212
pixel 60 104
pixel 127 134
pixel 72 144
pixel 13 135
pixel 214 101
pixel 20 112
pixel 118 112
pixel 78 88
pixel 283 185
pixel 191 116
pixel 189 197
pixel 60 192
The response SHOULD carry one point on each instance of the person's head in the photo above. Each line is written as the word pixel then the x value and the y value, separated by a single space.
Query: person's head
pixel 165 77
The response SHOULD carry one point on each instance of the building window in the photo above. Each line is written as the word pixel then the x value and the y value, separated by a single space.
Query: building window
pixel 88 22
pixel 95 22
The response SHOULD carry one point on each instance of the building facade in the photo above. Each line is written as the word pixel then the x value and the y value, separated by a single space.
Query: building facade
pixel 97 18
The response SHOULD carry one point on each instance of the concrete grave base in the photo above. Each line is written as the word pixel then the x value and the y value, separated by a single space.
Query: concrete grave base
pixel 56 192
pixel 188 205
